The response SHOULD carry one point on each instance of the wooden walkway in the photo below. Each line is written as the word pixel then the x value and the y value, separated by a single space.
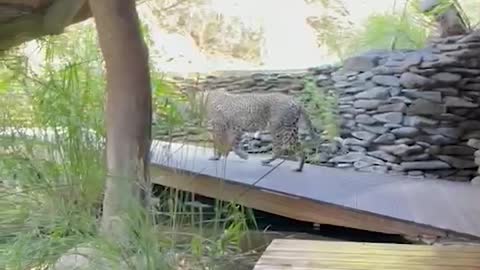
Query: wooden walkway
pixel 373 202
pixel 367 201
pixel 327 255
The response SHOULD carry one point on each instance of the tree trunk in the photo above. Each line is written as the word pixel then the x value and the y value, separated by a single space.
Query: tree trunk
pixel 128 110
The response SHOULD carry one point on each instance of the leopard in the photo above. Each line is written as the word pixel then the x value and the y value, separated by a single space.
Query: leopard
pixel 230 115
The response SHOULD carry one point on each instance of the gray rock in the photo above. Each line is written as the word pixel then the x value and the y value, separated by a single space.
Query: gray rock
pixel 406 141
pixel 471 87
pixel 364 135
pixel 353 141
pixel 412 59
pixel 389 117
pixel 342 84
pixel 423 71
pixel 375 169
pixel 447 77
pixel 386 80
pixel 441 62
pixel 415 173
pixel 384 70
pixel 401 150
pixel 365 119
pixel 425 107
pixel 475 143
pixel 348 124
pixel 445 131
pixel 476 181
pixel 374 129
pixel 386 138
pixel 83 258
pixel 383 156
pixel 354 90
pixel 347 109
pixel 472 135
pixel 463 71
pixel 400 99
pixel 357 148
pixel 446 91
pixel 412 80
pixel 350 157
pixel 360 63
pixel 368 161
pixel 417 157
pixel 419 121
pixel 390 125
pixel 394 91
pixel 460 111
pixel 395 107
pixel 432 96
pixel 343 165
pixel 458 163
pixel 365 76
pixel 374 93
pixel 457 150
pixel 449 117
pixel 405 132
pixel 431 176
pixel 459 103
pixel 367 104
pixel 437 140
pixel 424 165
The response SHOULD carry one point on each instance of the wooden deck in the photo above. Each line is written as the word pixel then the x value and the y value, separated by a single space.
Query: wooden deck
pixel 373 202
pixel 284 254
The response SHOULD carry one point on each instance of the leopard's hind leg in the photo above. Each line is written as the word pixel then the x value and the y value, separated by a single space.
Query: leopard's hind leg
pixel 301 156
pixel 221 143
pixel 237 148
pixel 277 150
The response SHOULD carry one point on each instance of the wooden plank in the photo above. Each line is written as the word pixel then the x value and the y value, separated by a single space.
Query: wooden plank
pixel 287 206
pixel 307 254
pixel 368 201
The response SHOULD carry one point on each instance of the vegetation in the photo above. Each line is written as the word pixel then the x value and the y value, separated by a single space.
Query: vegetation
pixel 404 27
pixel 52 191
pixel 321 105
pixel 213 33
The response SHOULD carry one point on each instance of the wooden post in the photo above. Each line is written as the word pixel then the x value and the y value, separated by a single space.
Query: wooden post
pixel 128 108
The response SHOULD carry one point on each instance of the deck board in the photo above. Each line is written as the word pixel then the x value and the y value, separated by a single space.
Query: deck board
pixel 444 205
pixel 308 254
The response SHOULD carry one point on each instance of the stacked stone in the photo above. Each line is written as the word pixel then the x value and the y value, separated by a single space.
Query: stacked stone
pixel 403 112
pixel 475 143
pixel 412 112
pixel 289 82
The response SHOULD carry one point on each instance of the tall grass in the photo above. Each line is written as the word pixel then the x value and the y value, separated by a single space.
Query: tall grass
pixel 51 183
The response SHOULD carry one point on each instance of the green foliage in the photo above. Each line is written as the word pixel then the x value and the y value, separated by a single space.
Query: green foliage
pixel 167 102
pixel 332 26
pixel 321 105
pixel 389 31
pixel 212 32
pixel 51 190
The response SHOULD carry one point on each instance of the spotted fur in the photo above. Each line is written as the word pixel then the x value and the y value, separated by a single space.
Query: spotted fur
pixel 231 115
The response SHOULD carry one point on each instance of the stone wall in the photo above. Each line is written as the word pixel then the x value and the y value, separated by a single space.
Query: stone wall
pixel 413 113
